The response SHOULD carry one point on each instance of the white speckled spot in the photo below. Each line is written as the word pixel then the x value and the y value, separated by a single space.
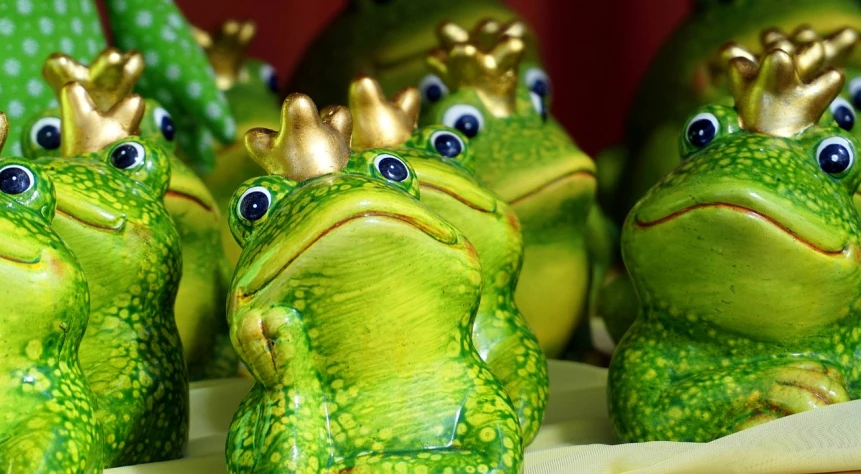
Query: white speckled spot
pixel 12 67
pixel 77 26
pixel 174 20
pixel 46 26
pixel 60 6
pixel 30 47
pixel 168 34
pixel 7 28
pixel 15 108
pixel 25 7
pixel 143 19
pixel 194 89
pixel 173 72
pixel 151 58
pixel 213 111
pixel 34 87
pixel 67 46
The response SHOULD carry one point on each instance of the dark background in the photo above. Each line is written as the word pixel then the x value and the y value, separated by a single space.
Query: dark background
pixel 595 50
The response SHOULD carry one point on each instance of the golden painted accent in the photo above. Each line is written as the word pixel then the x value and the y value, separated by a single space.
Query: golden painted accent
pixel 307 145
pixel 378 123
pixel 226 49
pixel 772 98
pixel 86 128
pixel 486 60
pixel 111 76
pixel 4 130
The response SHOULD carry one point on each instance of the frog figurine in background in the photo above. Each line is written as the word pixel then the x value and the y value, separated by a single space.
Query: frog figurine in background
pixel 745 259
pixel 352 305
pixel 251 87
pixel 178 75
pixel 525 157
pixel 110 188
pixel 49 423
pixel 384 39
pixel 202 291
pixel 500 332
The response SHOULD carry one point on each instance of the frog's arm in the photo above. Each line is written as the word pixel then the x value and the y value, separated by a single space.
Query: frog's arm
pixel 654 396
pixel 178 73
pixel 282 421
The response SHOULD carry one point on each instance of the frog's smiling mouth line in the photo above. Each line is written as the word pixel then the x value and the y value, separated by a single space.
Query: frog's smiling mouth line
pixel 173 194
pixel 21 260
pixel 442 189
pixel 106 222
pixel 743 210
pixel 570 176
pixel 411 221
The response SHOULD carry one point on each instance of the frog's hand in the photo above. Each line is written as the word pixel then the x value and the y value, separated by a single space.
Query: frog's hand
pixel 273 345
pixel 178 73
pixel 616 303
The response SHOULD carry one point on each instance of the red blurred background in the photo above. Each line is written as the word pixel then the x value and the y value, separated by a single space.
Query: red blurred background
pixel 595 51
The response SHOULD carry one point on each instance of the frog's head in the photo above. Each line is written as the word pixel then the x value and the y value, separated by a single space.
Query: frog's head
pixel 480 87
pixel 755 231
pixel 321 210
pixel 42 282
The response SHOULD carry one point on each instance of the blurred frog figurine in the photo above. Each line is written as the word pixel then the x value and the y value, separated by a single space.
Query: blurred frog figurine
pixel 480 88
pixel 110 187
pixel 745 259
pixel 352 305
pixel 200 316
pixel 49 424
pixel 500 332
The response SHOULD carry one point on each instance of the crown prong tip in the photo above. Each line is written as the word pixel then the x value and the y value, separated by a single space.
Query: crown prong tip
pixel 4 130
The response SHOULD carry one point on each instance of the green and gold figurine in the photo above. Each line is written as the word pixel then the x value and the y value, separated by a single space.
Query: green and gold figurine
pixel 110 187
pixel 352 305
pixel 49 424
pixel 436 153
pixel 745 259
pixel 525 157
pixel 202 291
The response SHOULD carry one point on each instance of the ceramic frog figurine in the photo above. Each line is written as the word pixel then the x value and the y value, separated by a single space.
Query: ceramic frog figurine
pixel 680 79
pixel 437 154
pixel 339 256
pixel 384 39
pixel 724 253
pixel 251 87
pixel 525 157
pixel 178 75
pixel 110 189
pixel 49 424
pixel 202 291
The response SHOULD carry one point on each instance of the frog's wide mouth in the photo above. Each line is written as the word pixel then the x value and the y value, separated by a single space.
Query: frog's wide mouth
pixel 90 215
pixel 7 256
pixel 440 177
pixel 277 263
pixel 183 196
pixel 779 222
pixel 580 174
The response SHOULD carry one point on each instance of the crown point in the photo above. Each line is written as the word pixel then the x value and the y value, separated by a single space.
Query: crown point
pixel 4 130
pixel 111 76
pixel 409 100
pixel 226 49
pixel 85 128
pixel 377 122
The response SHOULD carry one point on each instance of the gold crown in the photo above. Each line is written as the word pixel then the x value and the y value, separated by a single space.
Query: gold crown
pixel 772 98
pixel 307 145
pixel 4 130
pixel 486 60
pixel 378 123
pixel 86 128
pixel 226 49
pixel 110 78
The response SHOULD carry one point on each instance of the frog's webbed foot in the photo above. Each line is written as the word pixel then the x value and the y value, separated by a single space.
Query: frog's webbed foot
pixel 796 388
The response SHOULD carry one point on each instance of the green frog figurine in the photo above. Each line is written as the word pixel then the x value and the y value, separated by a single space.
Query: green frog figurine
pixel 745 259
pixel 437 154
pixel 49 424
pixel 110 189
pixel 525 157
pixel 352 305
pixel 202 291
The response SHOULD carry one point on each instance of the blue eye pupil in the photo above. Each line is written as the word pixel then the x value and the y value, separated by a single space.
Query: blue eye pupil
pixel 393 169
pixel 14 181
pixel 254 205
pixel 124 156
pixel 701 133
pixel 541 87
pixel 273 82
pixel 447 145
pixel 834 159
pixel 48 137
pixel 844 118
pixel 433 93
pixel 167 129
pixel 467 125
pixel 856 99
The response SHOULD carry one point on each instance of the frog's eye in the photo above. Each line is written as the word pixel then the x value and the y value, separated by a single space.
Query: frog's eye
pixel 835 155
pixel 128 155
pixel 465 118
pixel 855 92
pixel 447 144
pixel 46 133
pixel 392 168
pixel 843 113
pixel 432 89
pixel 702 129
pixel 269 77
pixel 538 82
pixel 15 179
pixel 164 122
pixel 254 203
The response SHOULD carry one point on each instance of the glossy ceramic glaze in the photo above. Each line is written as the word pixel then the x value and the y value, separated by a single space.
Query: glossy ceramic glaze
pixel 526 158
pixel 745 259
pixel 352 305
pixel 49 424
